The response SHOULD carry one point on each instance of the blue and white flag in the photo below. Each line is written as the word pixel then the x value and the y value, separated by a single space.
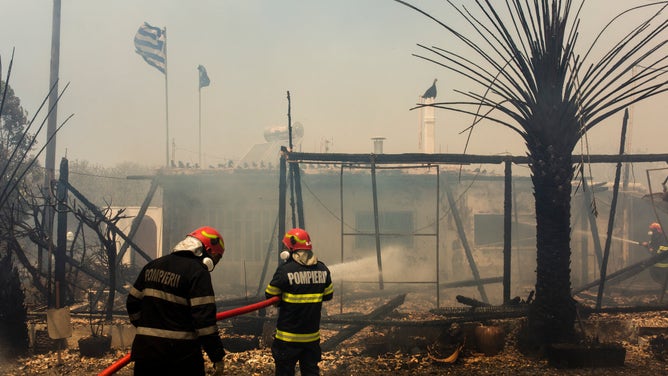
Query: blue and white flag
pixel 203 77
pixel 151 44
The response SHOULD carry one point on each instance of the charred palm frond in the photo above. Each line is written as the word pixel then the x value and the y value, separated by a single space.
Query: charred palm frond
pixel 528 62
pixel 17 163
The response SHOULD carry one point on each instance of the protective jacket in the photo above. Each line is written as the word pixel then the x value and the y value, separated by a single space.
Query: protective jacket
pixel 659 271
pixel 172 305
pixel 302 289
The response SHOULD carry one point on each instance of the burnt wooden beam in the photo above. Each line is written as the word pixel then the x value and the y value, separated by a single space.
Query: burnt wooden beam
pixel 624 273
pixel 472 282
pixel 386 323
pixel 465 243
pixel 61 292
pixel 95 210
pixel 472 302
pixel 624 309
pixel 587 190
pixel 470 316
pixel 295 157
pixel 352 329
pixel 652 330
pixel 136 221
pixel 611 217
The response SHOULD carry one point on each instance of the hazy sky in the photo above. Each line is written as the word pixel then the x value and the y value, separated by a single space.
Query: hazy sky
pixel 348 65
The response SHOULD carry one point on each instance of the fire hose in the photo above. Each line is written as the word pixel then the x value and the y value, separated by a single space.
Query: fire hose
pixel 122 362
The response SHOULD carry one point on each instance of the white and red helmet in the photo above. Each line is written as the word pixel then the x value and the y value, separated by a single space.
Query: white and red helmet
pixel 212 241
pixel 655 227
pixel 297 239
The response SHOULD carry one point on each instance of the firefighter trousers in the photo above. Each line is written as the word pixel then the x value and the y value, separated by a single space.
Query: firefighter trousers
pixel 288 354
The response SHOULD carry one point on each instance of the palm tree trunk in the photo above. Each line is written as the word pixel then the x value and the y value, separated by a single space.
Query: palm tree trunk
pixel 552 315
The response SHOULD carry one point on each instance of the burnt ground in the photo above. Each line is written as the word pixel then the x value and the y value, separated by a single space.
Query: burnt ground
pixel 408 350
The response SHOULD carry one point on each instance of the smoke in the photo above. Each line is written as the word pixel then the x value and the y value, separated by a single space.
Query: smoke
pixel 398 265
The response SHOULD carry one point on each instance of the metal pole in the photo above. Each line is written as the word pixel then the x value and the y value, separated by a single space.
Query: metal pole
pixel 342 237
pixel 438 241
pixel 50 161
pixel 507 236
pixel 281 200
pixel 50 158
pixel 166 107
pixel 200 127
pixel 379 257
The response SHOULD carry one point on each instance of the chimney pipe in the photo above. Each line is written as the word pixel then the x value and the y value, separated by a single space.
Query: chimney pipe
pixel 378 145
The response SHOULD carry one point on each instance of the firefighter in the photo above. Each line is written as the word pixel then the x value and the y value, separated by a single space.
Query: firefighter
pixel 173 307
pixel 303 283
pixel 657 244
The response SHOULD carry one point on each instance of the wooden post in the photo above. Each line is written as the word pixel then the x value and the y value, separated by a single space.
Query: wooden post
pixel 61 235
pixel 297 183
pixel 507 237
pixel 611 217
pixel 374 193
pixel 281 200
pixel 465 243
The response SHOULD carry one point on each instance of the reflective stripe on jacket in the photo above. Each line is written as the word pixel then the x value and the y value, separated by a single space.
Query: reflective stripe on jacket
pixel 173 306
pixel 302 290
pixel 662 248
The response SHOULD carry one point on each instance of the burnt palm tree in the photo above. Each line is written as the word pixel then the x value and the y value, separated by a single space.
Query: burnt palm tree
pixel 533 81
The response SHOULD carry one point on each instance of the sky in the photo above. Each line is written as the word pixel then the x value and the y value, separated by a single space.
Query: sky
pixel 347 64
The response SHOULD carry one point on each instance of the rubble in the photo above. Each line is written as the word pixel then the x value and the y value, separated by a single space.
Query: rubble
pixel 645 353
pixel 408 339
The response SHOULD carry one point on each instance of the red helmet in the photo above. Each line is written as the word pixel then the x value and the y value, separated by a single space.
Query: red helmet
pixel 211 239
pixel 297 239
pixel 655 227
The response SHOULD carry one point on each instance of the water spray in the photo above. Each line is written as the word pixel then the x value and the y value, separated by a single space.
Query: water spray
pixel 627 240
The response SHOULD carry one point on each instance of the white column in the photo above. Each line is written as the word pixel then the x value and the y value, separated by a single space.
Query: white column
pixel 421 126
pixel 429 132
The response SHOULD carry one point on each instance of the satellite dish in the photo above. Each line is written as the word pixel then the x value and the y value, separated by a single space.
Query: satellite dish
pixel 281 133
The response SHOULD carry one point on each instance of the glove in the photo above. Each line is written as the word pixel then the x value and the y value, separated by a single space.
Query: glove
pixel 219 367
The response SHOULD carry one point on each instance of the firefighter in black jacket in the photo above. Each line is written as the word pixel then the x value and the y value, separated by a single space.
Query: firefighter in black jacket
pixel 173 307
pixel 303 283
pixel 657 244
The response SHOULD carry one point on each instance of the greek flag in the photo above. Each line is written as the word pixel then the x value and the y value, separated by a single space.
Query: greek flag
pixel 151 44
pixel 203 77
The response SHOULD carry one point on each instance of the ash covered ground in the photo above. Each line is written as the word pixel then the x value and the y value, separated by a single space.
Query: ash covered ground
pixel 410 350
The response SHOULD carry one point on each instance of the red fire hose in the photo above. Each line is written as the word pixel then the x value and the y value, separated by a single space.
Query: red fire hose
pixel 120 363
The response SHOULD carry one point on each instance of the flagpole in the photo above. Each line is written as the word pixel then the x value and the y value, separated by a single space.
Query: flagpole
pixel 200 126
pixel 50 159
pixel 203 82
pixel 166 106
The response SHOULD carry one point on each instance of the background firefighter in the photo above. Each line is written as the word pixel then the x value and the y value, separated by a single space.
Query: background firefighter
pixel 303 283
pixel 173 306
pixel 657 244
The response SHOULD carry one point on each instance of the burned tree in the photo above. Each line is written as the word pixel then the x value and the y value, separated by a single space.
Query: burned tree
pixel 533 81
pixel 13 313
pixel 91 262
pixel 103 223
pixel 16 173
pixel 14 146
